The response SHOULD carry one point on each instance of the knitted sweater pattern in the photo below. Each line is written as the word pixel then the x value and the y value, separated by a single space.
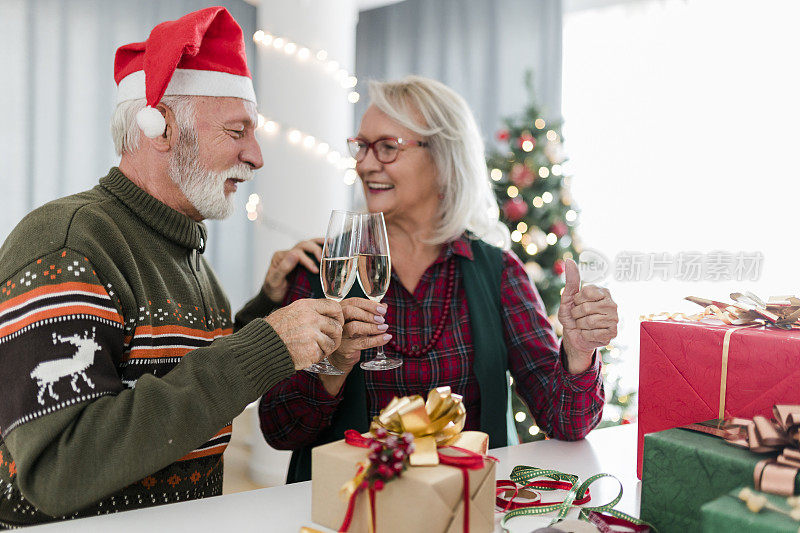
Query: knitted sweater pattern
pixel 100 290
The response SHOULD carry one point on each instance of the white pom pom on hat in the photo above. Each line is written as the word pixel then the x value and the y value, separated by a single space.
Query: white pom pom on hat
pixel 199 54
pixel 151 122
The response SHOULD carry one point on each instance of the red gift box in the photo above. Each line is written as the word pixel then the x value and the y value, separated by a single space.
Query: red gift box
pixel 681 367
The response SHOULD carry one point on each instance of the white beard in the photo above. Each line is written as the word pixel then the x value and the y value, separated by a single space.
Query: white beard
pixel 204 189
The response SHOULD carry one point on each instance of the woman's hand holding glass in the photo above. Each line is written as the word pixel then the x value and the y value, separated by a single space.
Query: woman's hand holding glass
pixel 365 327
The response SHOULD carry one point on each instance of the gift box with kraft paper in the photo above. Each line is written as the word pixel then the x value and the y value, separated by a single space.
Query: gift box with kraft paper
pixel 728 513
pixel 680 371
pixel 684 469
pixel 424 498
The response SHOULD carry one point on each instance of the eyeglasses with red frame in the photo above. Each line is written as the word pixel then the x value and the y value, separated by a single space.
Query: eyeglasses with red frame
pixel 385 149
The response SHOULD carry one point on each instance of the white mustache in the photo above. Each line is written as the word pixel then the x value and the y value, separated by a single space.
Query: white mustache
pixel 239 172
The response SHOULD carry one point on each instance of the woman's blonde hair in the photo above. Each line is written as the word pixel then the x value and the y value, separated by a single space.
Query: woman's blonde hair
pixel 456 146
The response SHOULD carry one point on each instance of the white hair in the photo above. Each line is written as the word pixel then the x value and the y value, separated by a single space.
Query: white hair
pixel 125 131
pixel 468 202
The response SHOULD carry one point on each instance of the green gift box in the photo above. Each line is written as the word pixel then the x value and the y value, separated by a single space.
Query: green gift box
pixel 728 513
pixel 684 469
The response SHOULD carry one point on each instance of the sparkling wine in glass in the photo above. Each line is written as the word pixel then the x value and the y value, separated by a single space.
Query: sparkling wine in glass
pixel 337 270
pixel 374 265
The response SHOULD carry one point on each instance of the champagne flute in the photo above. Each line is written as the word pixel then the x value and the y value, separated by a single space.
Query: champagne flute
pixel 374 273
pixel 337 269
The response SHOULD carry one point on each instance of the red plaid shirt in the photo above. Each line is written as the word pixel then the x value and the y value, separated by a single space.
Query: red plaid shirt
pixel 565 406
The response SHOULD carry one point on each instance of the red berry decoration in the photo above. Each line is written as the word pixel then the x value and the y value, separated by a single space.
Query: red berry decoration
pixel 514 209
pixel 388 457
pixel 558 267
pixel 503 135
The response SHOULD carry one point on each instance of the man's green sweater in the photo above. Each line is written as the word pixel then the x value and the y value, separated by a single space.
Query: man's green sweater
pixel 121 373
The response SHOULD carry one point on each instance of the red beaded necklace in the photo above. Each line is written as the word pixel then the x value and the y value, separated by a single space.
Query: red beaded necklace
pixel 451 285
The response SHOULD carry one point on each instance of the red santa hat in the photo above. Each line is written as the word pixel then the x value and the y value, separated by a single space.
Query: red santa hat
pixel 199 54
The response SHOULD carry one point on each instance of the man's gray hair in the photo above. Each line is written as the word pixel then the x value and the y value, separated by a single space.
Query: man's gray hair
pixel 125 131
pixel 468 202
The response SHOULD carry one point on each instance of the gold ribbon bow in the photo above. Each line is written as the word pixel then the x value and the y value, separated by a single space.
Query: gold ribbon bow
pixel 778 311
pixel 435 422
pixel 761 435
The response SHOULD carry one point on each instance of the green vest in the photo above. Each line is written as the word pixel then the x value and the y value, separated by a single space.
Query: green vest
pixel 482 277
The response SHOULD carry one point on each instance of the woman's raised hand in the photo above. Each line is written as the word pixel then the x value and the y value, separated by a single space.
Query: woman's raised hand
pixel 284 261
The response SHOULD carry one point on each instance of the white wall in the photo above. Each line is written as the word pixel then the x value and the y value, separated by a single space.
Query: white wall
pixel 682 126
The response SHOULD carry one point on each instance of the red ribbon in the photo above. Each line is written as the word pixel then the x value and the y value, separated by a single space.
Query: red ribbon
pixel 466 462
pixel 508 504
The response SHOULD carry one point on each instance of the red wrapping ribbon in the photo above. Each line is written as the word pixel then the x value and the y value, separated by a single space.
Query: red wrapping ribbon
pixel 466 462
pixel 509 504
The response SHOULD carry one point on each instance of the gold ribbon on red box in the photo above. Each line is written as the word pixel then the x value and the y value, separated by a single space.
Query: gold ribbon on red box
pixel 748 311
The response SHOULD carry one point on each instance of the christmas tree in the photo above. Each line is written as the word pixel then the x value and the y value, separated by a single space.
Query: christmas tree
pixel 532 190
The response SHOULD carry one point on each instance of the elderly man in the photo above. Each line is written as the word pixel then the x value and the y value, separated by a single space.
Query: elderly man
pixel 121 372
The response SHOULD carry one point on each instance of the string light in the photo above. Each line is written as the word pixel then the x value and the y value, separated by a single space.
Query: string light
pixel 322 149
pixel 537 202
pixel 533 430
pixel 520 416
pixel 270 126
pixel 556 170
pixel 522 227
pixel 532 249
pixel 252 206
pixel 516 236
pixel 571 216
pixel 496 174
pixel 512 192
pixel 552 238
pixel 527 146
pixel 304 54
pixel 544 172
pixel 350 176
pixel 547 197
pixel 552 136
pixel 294 136
pixel 540 124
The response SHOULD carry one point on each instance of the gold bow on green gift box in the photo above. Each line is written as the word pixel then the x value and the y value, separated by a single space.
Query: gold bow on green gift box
pixel 435 422
pixel 761 435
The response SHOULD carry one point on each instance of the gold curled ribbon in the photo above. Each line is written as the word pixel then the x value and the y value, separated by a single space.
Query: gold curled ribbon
pixel 778 311
pixel 435 422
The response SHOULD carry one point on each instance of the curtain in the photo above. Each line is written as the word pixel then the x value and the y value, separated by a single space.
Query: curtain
pixel 57 98
pixel 481 49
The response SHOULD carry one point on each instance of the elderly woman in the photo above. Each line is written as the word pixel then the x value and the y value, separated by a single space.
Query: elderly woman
pixel 459 311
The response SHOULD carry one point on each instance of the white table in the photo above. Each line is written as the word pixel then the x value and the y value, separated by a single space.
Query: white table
pixel 287 508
